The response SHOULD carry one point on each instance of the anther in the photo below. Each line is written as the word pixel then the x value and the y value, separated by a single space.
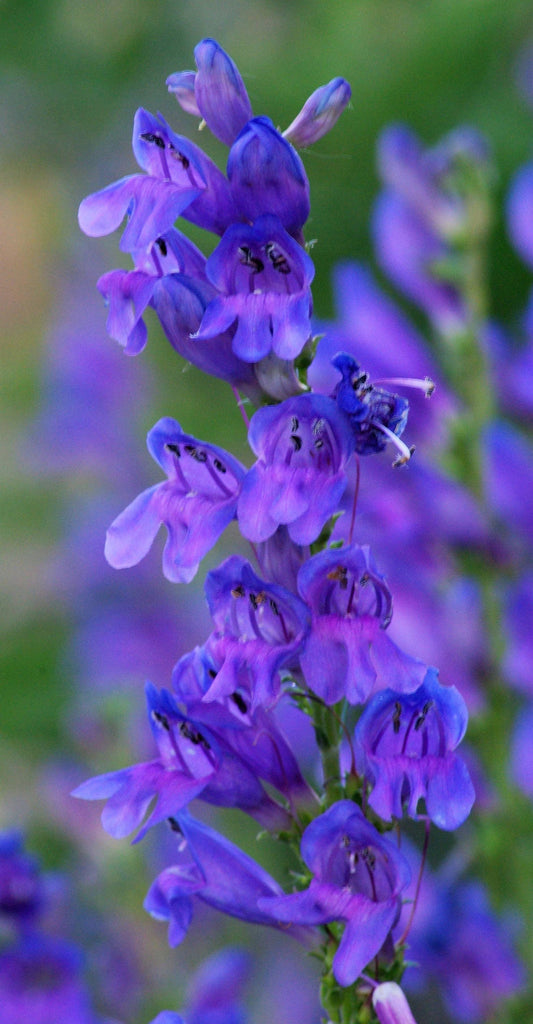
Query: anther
pixel 423 715
pixel 219 465
pixel 193 735
pixel 240 702
pixel 277 259
pixel 174 448
pixel 161 720
pixel 196 453
pixel 155 139
pixel 238 591
pixel 396 718
pixel 297 442
pixel 184 161
pixel 162 246
pixel 248 259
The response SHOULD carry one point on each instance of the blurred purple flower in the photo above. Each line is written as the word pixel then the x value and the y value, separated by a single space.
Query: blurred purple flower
pixel 521 765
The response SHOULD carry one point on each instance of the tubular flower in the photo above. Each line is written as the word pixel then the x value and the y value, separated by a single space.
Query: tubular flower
pixel 193 761
pixel 259 629
pixel 375 414
pixel 405 746
pixel 253 736
pixel 348 654
pixel 214 870
pixel 267 176
pixel 196 503
pixel 358 877
pixel 263 277
pixel 303 446
pixel 128 293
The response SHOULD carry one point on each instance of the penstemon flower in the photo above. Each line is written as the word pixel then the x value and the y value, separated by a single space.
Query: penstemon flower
pixel 306 624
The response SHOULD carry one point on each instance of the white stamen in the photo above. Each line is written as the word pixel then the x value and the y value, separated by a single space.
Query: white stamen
pixel 426 385
pixel 404 452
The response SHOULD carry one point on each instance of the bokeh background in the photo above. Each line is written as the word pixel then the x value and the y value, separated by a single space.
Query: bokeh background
pixel 74 410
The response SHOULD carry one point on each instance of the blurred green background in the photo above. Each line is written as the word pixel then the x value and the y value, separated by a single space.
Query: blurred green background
pixel 72 74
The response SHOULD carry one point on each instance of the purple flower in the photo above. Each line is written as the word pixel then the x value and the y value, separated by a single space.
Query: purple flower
pixel 409 251
pixel 220 92
pixel 40 981
pixel 263 277
pixel 517 609
pixel 167 1017
pixel 150 204
pixel 348 653
pixel 214 870
pixel 253 736
pixel 128 293
pixel 180 303
pixel 194 761
pixel 459 944
pixel 303 446
pixel 21 885
pixel 267 176
pixel 259 629
pixel 185 765
pixel 195 504
pixel 508 477
pixel 170 157
pixel 358 877
pixel 319 113
pixel 404 746
pixel 376 415
pixel 377 333
pixel 216 989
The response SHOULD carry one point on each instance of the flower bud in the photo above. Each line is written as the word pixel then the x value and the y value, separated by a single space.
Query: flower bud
pixel 391 1005
pixel 319 113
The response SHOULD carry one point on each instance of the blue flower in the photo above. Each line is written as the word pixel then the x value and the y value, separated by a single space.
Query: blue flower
pixel 40 980
pixel 303 446
pixel 252 734
pixel 259 629
pixel 212 869
pixel 262 276
pixel 358 877
pixel 21 885
pixel 196 503
pixel 194 761
pixel 347 653
pixel 376 415
pixel 405 747
pixel 128 293
pixel 267 176
pixel 150 204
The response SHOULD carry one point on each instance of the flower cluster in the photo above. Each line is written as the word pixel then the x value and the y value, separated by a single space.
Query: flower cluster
pixel 307 626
